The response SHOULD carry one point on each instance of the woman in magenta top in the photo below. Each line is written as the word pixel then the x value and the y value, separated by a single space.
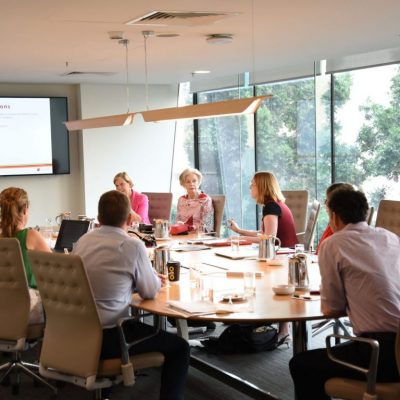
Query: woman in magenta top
pixel 139 201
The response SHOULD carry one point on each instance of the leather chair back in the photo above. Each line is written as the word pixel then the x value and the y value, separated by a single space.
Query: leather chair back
pixel 14 292
pixel 73 334
pixel 218 201
pixel 297 201
pixel 159 205
pixel 388 216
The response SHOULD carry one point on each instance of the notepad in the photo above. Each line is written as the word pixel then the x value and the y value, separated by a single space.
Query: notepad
pixel 237 255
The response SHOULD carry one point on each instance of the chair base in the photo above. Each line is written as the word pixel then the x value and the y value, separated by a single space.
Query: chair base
pixel 336 324
pixel 15 367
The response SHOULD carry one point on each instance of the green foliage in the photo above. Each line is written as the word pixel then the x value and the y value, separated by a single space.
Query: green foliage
pixel 379 136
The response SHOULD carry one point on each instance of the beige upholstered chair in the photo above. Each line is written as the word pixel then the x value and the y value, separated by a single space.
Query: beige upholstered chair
pixel 388 216
pixel 159 205
pixel 16 335
pixel 73 335
pixel 297 201
pixel 351 389
pixel 218 201
pixel 307 237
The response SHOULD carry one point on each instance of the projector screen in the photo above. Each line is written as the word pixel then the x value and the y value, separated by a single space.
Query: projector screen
pixel 34 140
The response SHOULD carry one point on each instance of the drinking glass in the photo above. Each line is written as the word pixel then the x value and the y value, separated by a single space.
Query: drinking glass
pixel 298 248
pixel 249 281
pixel 201 231
pixel 235 243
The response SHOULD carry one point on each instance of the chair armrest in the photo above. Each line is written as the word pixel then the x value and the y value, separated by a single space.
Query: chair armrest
pixel 300 236
pixel 371 371
pixel 125 346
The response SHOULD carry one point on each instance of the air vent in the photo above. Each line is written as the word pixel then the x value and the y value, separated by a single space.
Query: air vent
pixel 183 18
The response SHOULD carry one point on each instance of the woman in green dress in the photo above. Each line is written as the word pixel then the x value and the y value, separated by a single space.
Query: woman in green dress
pixel 14 214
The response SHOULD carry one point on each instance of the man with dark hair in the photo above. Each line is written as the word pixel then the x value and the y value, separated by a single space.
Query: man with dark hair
pixel 360 275
pixel 116 265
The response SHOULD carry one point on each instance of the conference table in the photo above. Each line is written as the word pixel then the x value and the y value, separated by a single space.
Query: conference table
pixel 224 276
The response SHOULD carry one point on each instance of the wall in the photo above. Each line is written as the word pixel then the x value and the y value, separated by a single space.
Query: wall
pixel 143 150
pixel 51 194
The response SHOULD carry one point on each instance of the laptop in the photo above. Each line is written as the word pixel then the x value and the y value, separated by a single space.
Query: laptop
pixel 70 231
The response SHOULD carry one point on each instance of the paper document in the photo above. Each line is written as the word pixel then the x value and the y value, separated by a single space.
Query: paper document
pixel 199 307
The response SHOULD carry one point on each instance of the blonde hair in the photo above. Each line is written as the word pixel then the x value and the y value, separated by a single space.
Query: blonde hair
pixel 125 177
pixel 188 171
pixel 13 202
pixel 267 187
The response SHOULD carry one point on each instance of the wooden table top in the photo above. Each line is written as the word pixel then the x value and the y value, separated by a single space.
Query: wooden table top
pixel 265 306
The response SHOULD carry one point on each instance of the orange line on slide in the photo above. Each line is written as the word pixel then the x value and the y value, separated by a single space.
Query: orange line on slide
pixel 26 166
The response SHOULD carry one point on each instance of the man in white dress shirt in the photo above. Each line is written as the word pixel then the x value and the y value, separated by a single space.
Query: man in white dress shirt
pixel 360 275
pixel 117 265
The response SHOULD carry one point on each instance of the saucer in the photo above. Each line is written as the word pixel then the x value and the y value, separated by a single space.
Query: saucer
pixel 234 297
pixel 283 289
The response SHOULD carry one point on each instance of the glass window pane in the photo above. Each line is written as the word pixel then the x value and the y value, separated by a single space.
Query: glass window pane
pixel 367 133
pixel 226 157
pixel 183 148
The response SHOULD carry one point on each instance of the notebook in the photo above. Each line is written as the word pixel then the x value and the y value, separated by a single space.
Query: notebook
pixel 238 255
pixel 70 231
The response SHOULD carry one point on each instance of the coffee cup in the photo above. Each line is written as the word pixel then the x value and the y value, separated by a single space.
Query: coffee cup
pixel 173 270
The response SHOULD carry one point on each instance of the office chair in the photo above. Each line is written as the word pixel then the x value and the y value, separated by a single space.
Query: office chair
pixel 218 202
pixel 159 205
pixel 16 334
pixel 388 216
pixel 351 389
pixel 370 215
pixel 73 336
pixel 297 201
pixel 307 237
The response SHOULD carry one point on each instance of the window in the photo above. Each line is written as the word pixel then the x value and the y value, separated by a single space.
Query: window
pixel 227 158
pixel 367 131
pixel 313 131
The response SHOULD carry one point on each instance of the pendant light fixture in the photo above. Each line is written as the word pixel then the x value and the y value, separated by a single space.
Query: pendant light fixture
pixel 196 111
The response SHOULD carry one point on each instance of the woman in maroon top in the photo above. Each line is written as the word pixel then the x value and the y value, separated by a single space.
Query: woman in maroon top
pixel 277 221
pixel 277 218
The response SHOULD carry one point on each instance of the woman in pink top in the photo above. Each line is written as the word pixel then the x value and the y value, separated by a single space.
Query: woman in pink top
pixel 139 201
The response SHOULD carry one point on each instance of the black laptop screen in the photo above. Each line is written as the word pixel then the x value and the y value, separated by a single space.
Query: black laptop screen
pixel 70 231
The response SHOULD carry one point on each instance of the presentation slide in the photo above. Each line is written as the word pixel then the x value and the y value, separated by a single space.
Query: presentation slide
pixel 25 136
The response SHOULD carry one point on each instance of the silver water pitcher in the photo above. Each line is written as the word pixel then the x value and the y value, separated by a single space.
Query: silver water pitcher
pixel 298 271
pixel 267 248
pixel 161 230
pixel 63 215
pixel 161 258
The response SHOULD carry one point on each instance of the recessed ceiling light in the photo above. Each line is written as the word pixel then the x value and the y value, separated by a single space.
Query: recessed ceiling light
pixel 200 72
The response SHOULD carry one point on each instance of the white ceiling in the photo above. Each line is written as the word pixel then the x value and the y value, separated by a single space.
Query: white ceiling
pixel 38 37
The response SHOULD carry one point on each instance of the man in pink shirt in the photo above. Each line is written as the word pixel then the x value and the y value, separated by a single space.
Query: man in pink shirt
pixel 360 275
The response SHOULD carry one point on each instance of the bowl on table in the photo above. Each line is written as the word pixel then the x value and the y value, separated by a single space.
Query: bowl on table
pixel 283 289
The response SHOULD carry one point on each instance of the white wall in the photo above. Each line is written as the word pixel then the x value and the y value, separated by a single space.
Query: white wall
pixel 51 194
pixel 143 150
